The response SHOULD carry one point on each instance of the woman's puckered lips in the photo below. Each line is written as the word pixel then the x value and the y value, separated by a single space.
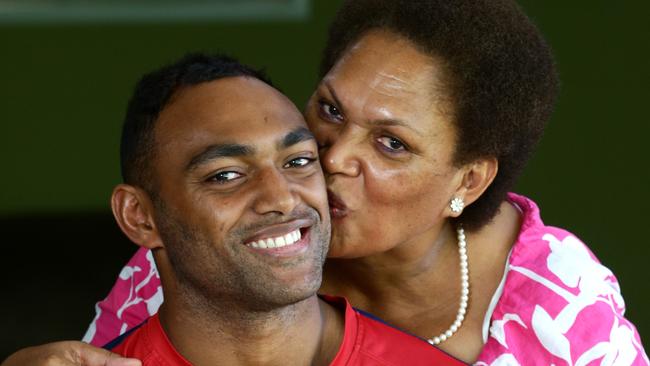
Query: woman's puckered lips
pixel 337 206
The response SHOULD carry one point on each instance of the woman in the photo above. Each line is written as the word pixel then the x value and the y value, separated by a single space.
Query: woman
pixel 426 114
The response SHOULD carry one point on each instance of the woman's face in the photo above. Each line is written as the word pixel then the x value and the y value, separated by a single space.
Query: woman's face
pixel 384 126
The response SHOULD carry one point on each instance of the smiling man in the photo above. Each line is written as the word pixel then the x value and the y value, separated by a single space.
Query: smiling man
pixel 222 182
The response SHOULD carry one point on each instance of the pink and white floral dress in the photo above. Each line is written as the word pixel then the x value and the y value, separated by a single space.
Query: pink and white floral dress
pixel 556 304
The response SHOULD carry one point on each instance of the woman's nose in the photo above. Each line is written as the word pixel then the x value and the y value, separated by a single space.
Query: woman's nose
pixel 339 155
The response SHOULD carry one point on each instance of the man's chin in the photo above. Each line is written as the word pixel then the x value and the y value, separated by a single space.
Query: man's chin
pixel 279 299
pixel 303 284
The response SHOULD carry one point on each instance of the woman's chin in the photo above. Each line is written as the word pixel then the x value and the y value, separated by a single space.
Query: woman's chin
pixel 348 242
pixel 340 249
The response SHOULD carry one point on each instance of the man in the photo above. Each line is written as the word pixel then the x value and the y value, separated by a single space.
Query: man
pixel 222 182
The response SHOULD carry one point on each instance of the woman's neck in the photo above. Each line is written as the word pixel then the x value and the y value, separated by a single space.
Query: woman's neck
pixel 404 272
pixel 416 287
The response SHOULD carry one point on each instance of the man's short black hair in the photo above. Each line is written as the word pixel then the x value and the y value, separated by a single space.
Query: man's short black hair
pixel 151 95
pixel 500 76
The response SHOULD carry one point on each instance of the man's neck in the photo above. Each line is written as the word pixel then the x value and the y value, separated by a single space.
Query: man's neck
pixel 308 332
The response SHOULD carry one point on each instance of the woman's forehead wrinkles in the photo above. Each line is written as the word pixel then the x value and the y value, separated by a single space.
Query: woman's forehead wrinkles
pixel 390 85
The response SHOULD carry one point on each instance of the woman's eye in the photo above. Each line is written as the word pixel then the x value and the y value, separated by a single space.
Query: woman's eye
pixel 224 177
pixel 299 162
pixel 391 143
pixel 329 111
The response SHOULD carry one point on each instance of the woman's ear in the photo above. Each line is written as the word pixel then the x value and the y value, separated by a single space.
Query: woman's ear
pixel 133 211
pixel 477 177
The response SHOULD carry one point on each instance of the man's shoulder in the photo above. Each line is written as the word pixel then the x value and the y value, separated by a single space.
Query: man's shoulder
pixel 148 343
pixel 132 343
pixel 369 341
pixel 382 344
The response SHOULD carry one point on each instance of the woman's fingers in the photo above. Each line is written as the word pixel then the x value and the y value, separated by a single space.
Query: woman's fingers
pixel 68 353
pixel 93 356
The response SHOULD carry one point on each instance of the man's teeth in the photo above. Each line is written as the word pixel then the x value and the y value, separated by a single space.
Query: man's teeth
pixel 277 242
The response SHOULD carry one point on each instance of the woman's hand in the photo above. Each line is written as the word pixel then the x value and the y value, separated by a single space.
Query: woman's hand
pixel 69 353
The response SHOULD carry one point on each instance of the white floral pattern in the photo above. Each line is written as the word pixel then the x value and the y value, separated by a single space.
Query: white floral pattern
pixel 559 305
pixel 136 295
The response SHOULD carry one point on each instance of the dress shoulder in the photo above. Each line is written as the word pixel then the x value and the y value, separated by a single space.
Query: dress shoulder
pixel 135 296
pixel 559 305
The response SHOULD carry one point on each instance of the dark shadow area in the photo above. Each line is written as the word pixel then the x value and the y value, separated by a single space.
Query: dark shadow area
pixel 56 267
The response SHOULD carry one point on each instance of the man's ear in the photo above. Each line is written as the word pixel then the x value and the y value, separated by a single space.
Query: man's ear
pixel 477 177
pixel 133 211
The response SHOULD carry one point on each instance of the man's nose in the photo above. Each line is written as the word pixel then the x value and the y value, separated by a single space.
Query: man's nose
pixel 275 193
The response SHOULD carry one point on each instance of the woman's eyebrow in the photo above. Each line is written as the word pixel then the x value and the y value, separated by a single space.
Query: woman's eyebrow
pixel 332 91
pixel 384 122
pixel 388 122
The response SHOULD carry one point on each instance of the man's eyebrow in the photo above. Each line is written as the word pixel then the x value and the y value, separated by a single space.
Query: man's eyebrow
pixel 219 151
pixel 300 134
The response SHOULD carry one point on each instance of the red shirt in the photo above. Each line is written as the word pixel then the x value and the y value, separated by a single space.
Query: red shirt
pixel 366 342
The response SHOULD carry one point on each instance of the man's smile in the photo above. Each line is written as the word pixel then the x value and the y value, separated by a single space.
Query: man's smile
pixel 278 241
pixel 286 239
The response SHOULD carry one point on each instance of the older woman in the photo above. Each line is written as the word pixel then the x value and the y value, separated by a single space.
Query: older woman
pixel 426 114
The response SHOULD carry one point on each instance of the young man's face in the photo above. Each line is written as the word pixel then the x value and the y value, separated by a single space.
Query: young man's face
pixel 241 204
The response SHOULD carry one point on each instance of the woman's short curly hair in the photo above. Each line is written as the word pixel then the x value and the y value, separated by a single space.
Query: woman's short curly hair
pixel 500 76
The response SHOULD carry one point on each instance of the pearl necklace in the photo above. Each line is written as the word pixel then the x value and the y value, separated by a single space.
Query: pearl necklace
pixel 464 291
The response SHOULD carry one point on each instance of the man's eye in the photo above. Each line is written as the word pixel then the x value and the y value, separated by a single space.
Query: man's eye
pixel 329 111
pixel 225 177
pixel 391 143
pixel 299 162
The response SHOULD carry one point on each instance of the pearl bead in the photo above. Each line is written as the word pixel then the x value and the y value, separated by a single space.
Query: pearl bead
pixel 464 290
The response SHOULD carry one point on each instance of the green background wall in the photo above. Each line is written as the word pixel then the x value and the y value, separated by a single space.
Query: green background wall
pixel 63 90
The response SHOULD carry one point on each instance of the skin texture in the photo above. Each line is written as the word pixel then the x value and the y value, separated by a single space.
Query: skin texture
pixel 385 129
pixel 234 162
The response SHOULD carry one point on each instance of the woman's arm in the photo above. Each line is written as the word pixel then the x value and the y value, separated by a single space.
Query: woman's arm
pixel 136 295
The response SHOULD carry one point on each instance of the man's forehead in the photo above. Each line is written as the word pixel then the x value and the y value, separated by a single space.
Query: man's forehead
pixel 228 117
pixel 227 107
